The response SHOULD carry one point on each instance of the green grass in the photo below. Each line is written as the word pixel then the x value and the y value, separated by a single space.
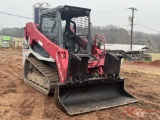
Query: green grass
pixel 155 56
pixel 17 39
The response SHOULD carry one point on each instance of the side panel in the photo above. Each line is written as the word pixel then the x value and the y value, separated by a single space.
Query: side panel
pixel 60 55
pixel 28 51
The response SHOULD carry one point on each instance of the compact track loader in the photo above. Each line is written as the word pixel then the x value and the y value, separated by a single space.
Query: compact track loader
pixel 60 57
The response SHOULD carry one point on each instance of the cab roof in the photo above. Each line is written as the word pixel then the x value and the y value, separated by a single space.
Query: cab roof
pixel 68 9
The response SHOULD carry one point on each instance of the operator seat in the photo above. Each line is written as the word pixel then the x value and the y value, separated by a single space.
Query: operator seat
pixel 68 36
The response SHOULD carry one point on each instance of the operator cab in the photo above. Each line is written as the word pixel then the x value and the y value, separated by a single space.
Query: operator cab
pixel 67 26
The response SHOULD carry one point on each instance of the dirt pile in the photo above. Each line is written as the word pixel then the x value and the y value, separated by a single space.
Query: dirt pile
pixel 153 63
pixel 138 63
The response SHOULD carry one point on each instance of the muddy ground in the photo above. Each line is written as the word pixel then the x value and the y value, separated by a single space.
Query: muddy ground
pixel 18 101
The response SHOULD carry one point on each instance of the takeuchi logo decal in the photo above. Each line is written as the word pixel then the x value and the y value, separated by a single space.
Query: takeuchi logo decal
pixel 59 67
pixel 140 113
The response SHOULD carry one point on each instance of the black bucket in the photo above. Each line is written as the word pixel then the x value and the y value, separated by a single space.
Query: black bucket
pixel 92 97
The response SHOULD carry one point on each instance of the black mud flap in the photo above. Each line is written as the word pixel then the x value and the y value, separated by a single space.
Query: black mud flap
pixel 77 66
pixel 92 97
pixel 111 64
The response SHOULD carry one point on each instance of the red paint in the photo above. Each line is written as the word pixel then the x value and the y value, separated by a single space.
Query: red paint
pixel 61 55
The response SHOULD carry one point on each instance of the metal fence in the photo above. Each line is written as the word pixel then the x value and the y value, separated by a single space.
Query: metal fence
pixel 13 44
pixel 17 44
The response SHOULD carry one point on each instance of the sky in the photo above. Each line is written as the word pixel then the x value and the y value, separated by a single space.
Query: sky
pixel 104 12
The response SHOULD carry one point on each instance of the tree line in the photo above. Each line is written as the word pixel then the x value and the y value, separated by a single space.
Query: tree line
pixel 116 35
pixel 14 32
pixel 112 34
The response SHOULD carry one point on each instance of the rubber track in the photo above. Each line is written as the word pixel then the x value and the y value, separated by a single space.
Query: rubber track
pixel 48 72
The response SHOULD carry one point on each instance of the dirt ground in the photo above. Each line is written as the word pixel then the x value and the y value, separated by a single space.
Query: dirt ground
pixel 18 101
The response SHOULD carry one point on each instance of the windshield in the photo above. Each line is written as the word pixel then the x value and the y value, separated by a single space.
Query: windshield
pixel 47 24
pixel 63 23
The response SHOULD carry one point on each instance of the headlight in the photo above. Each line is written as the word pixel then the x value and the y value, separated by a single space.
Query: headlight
pixel 66 8
pixel 87 11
